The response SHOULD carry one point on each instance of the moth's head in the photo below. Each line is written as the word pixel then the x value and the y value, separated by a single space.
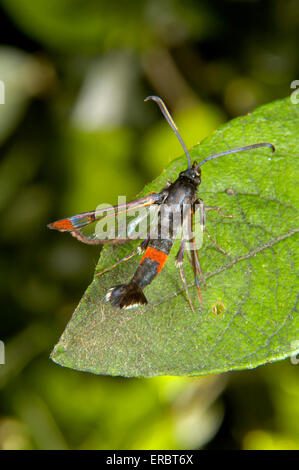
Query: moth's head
pixel 192 174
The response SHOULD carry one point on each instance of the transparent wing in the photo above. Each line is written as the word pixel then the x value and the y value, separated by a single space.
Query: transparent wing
pixel 113 224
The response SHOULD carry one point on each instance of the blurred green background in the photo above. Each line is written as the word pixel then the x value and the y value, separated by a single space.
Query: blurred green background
pixel 75 132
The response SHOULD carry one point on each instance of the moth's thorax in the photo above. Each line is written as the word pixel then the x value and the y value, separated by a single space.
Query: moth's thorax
pixel 183 190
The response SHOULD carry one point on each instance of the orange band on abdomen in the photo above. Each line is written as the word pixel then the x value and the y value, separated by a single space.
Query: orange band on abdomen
pixel 155 255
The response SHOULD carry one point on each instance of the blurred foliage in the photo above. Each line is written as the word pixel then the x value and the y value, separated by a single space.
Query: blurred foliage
pixel 74 132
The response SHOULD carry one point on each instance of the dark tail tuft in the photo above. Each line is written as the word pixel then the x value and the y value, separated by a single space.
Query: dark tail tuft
pixel 126 296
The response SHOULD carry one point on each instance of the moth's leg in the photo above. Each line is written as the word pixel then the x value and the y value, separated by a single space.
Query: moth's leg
pixel 197 272
pixel 193 257
pixel 215 244
pixel 94 241
pixel 179 263
pixel 82 238
pixel 138 251
pixel 194 250
pixel 218 209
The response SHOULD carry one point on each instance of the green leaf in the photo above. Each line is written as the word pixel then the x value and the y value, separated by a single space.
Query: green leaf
pixel 248 316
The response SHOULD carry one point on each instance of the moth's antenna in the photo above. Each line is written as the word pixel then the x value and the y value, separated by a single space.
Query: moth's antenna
pixel 241 149
pixel 171 122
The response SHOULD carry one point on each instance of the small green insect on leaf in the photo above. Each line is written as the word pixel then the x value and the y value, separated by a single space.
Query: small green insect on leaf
pixel 248 316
